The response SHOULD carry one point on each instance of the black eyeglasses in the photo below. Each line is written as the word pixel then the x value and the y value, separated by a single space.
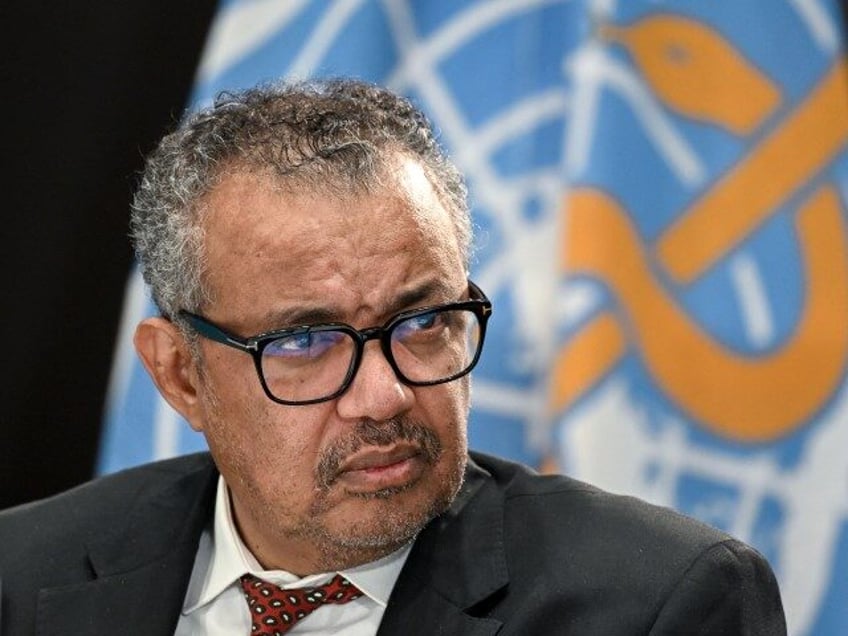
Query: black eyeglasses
pixel 315 363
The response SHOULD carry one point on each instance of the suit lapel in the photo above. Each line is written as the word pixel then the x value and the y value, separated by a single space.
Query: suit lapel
pixel 141 570
pixel 146 601
pixel 457 563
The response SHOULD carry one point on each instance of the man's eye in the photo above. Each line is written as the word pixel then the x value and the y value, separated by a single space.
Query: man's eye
pixel 424 321
pixel 419 325
pixel 307 344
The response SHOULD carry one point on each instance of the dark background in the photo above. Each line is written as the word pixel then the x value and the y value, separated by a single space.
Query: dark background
pixel 88 88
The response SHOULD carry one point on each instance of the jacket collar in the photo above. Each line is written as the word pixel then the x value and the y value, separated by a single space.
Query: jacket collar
pixel 142 568
pixel 457 563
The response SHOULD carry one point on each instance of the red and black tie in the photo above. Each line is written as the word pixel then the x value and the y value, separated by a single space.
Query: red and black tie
pixel 275 610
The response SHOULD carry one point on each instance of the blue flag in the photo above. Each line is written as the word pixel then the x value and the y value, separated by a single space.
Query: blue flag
pixel 658 192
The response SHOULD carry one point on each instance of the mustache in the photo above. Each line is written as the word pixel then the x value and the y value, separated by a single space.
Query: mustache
pixel 372 433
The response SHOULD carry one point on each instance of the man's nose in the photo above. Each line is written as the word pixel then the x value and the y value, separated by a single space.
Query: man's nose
pixel 375 391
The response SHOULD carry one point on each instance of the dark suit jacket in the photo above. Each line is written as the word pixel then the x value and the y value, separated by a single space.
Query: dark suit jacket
pixel 517 554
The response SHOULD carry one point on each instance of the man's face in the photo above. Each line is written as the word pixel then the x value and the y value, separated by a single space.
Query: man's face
pixel 329 485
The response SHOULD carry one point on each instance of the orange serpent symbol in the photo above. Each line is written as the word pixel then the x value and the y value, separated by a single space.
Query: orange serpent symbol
pixel 745 398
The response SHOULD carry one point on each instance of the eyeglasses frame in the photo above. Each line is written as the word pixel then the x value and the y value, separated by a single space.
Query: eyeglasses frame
pixel 478 303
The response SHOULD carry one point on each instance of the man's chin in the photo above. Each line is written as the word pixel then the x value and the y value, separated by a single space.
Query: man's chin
pixel 386 517
pixel 367 540
pixel 361 524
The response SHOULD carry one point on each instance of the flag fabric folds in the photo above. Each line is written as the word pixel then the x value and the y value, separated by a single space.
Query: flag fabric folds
pixel 658 191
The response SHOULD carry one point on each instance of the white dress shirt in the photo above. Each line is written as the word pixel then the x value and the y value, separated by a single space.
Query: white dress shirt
pixel 214 604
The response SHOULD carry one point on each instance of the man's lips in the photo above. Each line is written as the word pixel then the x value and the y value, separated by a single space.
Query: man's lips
pixel 380 468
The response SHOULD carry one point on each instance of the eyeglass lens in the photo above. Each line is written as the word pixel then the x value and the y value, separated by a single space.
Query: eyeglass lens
pixel 427 348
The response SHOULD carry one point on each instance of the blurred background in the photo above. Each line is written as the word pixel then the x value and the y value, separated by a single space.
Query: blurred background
pixel 659 193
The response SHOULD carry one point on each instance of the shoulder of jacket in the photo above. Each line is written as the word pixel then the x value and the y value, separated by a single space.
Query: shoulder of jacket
pixel 101 501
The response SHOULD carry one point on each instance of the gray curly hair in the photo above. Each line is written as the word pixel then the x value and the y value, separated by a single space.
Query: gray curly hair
pixel 334 136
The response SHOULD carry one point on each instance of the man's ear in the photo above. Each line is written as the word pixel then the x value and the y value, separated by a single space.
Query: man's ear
pixel 166 356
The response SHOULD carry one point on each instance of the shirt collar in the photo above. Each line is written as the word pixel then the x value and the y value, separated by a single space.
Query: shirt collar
pixel 227 559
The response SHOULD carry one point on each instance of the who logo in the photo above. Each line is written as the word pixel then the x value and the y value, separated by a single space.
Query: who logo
pixel 705 250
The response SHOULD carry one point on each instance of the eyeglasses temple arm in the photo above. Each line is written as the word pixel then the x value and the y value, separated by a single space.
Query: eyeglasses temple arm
pixel 215 333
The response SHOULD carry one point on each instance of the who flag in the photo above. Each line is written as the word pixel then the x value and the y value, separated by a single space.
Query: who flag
pixel 658 192
pixel 704 263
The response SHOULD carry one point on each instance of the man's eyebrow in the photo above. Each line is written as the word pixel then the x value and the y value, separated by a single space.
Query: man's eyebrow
pixel 431 292
pixel 299 316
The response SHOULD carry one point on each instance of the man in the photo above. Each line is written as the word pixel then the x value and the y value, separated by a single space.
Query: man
pixel 326 219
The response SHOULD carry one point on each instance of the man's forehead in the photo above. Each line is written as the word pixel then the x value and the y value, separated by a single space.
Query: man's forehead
pixel 245 200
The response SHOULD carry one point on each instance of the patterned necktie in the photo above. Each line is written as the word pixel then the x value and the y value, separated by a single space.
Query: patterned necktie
pixel 274 610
